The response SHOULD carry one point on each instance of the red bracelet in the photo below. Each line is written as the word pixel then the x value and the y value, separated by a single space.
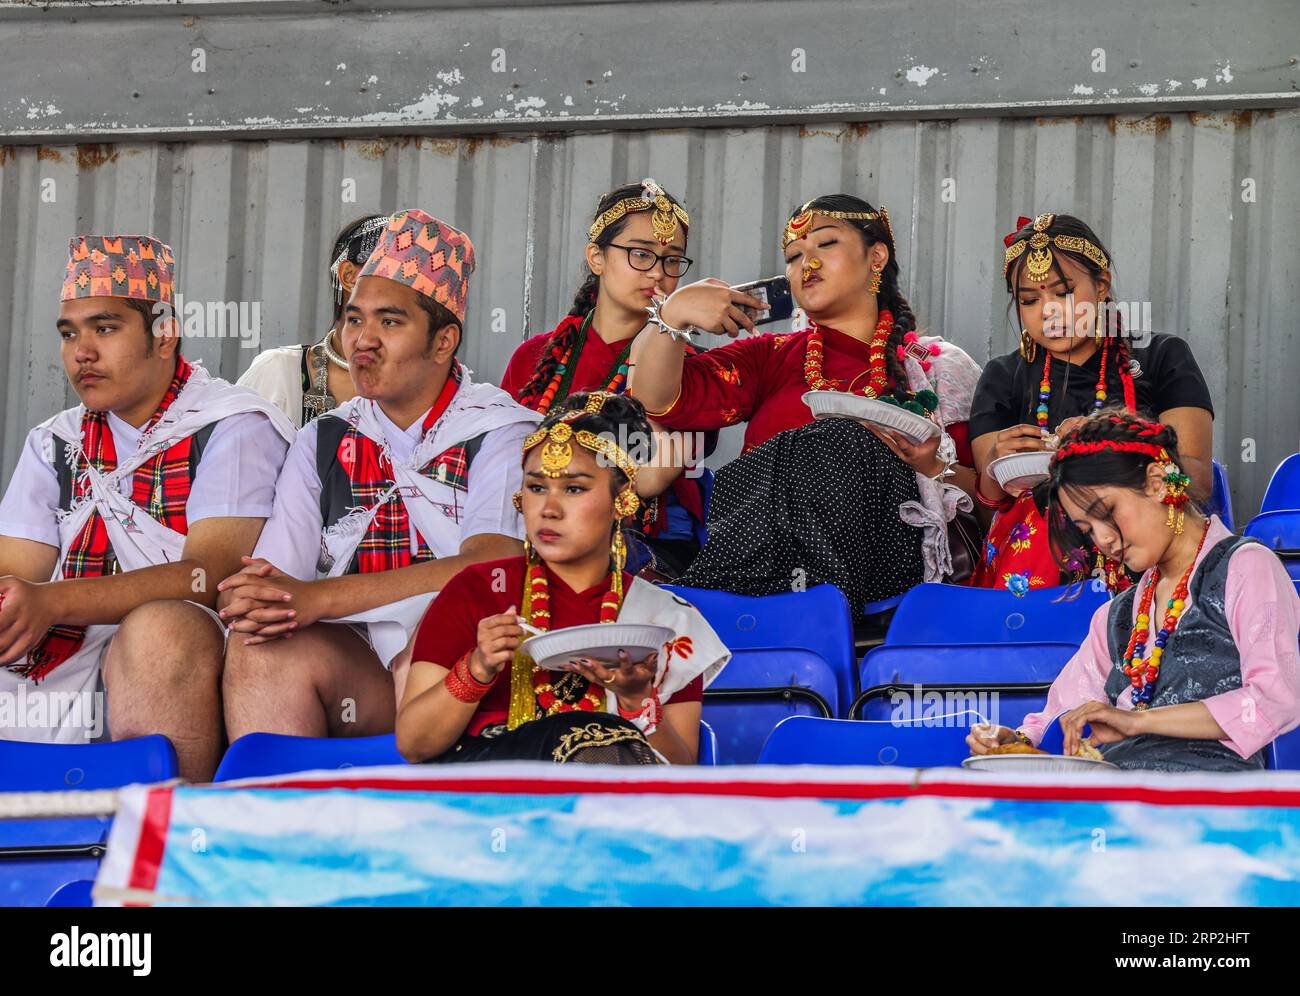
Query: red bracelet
pixel 462 684
pixel 648 717
pixel 996 504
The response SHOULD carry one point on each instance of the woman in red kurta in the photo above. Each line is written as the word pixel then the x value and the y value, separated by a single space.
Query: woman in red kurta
pixel 635 250
pixel 473 695
pixel 833 501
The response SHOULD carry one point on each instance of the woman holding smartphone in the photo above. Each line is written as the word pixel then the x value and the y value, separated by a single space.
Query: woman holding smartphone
pixel 830 501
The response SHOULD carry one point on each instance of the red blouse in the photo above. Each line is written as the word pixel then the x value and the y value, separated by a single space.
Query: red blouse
pixel 760 380
pixel 449 628
pixel 594 363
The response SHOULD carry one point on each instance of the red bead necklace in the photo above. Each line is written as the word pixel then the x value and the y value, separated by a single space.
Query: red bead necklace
pixel 544 684
pixel 877 382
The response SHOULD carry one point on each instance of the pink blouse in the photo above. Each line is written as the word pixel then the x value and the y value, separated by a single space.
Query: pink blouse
pixel 1263 611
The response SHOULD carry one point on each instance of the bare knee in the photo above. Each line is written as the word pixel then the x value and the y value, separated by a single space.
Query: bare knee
pixel 170 642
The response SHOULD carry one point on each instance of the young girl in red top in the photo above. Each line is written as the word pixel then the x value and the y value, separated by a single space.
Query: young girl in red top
pixel 834 501
pixel 473 695
pixel 636 249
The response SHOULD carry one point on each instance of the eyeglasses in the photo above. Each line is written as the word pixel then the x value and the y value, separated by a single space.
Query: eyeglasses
pixel 645 260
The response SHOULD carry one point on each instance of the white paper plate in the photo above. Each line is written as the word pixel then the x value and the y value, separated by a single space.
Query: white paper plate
pixel 841 404
pixel 1019 472
pixel 1034 762
pixel 601 641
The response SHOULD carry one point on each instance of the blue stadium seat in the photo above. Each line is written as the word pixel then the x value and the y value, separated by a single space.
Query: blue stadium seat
pixel 35 767
pixel 811 740
pixel 956 614
pixel 1220 502
pixel 72 894
pixel 39 857
pixel 257 755
pixel 963 676
pixel 1279 531
pixel 792 655
pixel 1284 752
pixel 708 745
pixel 1283 491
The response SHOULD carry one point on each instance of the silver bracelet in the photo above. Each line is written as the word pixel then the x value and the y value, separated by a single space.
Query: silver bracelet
pixel 947 454
pixel 686 334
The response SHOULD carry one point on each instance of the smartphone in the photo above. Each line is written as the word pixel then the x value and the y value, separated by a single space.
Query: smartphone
pixel 775 292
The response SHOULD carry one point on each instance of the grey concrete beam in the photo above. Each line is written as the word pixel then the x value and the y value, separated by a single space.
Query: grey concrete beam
pixel 113 71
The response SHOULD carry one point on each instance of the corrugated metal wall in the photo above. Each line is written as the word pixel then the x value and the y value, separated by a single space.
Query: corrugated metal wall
pixel 253 222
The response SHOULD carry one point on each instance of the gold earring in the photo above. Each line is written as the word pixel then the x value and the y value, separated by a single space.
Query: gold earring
pixel 528 551
pixel 518 499
pixel 618 551
pixel 626 502
pixel 874 286
pixel 1028 347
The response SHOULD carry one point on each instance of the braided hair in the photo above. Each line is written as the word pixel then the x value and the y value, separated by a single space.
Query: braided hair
pixel 1068 224
pixel 1079 476
pixel 584 301
pixel 890 297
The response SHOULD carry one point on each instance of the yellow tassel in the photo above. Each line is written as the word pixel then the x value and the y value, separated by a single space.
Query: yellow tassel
pixel 523 703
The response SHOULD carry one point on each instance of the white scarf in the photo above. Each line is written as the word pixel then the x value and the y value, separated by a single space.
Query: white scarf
pixel 953 376
pixel 137 539
pixel 474 409
pixel 696 649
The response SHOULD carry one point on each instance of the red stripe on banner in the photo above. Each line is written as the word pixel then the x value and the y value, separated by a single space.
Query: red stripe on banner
pixel 152 842
pixel 815 790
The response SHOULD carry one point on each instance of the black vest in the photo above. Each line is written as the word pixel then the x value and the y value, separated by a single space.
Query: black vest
pixel 1200 661
pixel 336 495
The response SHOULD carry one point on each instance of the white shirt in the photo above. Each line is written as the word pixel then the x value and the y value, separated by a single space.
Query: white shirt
pixel 291 539
pixel 235 476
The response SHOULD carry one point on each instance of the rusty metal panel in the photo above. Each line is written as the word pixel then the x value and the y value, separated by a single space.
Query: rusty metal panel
pixel 253 222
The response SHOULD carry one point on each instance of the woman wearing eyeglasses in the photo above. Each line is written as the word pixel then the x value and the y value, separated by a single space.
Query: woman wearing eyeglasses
pixel 636 251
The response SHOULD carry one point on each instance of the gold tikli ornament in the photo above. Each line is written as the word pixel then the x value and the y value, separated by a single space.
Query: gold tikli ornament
pixel 653 198
pixel 1039 246
pixel 801 224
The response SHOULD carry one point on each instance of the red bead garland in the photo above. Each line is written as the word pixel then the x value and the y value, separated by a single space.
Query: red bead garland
pixel 593 700
pixel 878 380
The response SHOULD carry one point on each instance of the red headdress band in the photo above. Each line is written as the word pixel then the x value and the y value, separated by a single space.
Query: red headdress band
pixel 1021 222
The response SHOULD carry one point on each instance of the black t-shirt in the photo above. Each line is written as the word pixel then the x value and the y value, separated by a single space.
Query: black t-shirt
pixel 1007 393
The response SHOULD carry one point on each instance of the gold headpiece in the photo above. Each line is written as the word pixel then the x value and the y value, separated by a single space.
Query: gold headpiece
pixel 557 454
pixel 798 226
pixel 663 221
pixel 1039 263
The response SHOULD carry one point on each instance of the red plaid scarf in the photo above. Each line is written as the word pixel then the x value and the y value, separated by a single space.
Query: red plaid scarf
pixel 386 545
pixel 160 486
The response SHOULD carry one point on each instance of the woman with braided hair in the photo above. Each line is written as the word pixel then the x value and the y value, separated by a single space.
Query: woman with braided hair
pixel 833 500
pixel 1196 666
pixel 473 695
pixel 307 381
pixel 1074 357
pixel 636 249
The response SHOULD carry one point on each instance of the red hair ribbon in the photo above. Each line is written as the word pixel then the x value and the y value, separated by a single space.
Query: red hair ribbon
pixel 1115 446
pixel 1021 222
